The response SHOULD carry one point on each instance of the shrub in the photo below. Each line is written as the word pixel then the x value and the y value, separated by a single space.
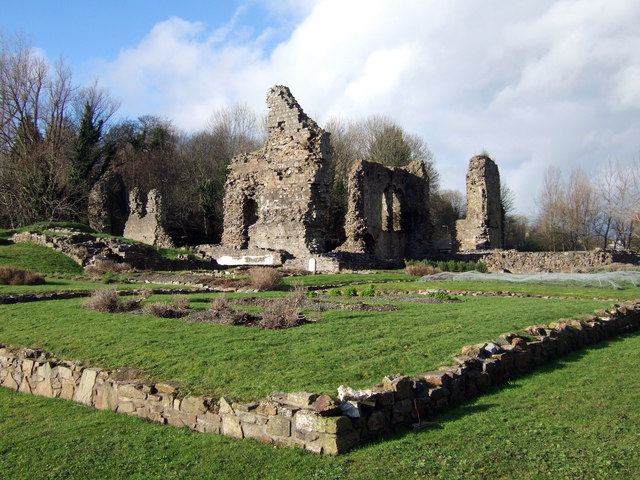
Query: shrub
pixel 265 278
pixel 350 291
pixel 221 309
pixel 107 266
pixel 444 296
pixel 284 312
pixel 481 267
pixel 180 302
pixel 420 270
pixel 10 275
pixel 369 291
pixel 105 300
pixel 160 309
pixel 335 292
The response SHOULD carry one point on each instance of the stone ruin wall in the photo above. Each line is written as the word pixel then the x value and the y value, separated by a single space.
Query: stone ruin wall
pixel 388 211
pixel 146 222
pixel 107 207
pixel 278 197
pixel 318 423
pixel 482 227
pixel 558 262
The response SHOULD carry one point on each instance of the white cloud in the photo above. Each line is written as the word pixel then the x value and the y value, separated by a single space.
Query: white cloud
pixel 534 83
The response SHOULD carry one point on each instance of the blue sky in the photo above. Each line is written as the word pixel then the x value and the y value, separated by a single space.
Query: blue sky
pixel 537 83
pixel 82 31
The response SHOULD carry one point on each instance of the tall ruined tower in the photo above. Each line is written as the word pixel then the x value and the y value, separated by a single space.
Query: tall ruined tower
pixel 278 197
pixel 482 228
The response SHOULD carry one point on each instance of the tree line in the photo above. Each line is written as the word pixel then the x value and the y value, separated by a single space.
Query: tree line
pixel 57 139
pixel 588 211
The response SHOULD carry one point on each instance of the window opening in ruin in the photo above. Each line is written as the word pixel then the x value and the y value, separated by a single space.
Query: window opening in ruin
pixel 391 211
pixel 250 217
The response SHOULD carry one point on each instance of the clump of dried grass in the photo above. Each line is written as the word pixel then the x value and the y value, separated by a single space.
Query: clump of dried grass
pixel 10 275
pixel 222 311
pixel 420 270
pixel 180 302
pixel 285 312
pixel 107 266
pixel 265 278
pixel 105 300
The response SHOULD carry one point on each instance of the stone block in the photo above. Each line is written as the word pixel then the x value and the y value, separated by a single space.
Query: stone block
pixel 334 444
pixel 106 397
pixel 400 384
pixel 308 421
pixel 257 432
pixel 193 405
pixel 231 426
pixel 131 391
pixel 279 426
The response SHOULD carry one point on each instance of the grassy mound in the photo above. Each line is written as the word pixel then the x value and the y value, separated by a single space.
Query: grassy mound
pixel 38 258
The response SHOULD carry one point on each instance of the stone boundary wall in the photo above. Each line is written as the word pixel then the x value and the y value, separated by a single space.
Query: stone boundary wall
pixel 86 249
pixel 542 262
pixel 10 298
pixel 315 422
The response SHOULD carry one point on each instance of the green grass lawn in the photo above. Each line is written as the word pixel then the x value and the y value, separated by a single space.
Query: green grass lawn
pixel 576 418
pixel 36 257
pixel 352 348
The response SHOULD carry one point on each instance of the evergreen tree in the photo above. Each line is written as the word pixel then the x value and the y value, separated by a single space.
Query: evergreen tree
pixel 87 151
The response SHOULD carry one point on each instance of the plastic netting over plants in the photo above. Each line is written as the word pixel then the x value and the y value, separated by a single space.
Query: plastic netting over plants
pixel 615 280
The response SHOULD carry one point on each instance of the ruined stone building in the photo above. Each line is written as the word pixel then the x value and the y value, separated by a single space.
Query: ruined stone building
pixel 277 198
pixel 388 211
pixel 482 229
pixel 146 222
pixel 107 205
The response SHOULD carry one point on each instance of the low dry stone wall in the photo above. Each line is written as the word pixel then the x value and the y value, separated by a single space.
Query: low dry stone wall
pixel 542 262
pixel 86 250
pixel 10 298
pixel 319 423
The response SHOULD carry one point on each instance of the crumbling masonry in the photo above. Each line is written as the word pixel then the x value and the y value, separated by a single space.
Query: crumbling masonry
pixel 146 219
pixel 482 228
pixel 388 211
pixel 277 198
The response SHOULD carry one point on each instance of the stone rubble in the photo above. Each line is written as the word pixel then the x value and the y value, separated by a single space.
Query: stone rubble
pixel 146 222
pixel 86 249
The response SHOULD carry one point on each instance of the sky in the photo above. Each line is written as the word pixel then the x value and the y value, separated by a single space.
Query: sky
pixel 533 83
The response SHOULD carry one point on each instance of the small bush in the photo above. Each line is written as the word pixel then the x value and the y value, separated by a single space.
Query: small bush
pixel 481 267
pixel 335 292
pixel 420 270
pixel 265 278
pixel 102 267
pixel 10 275
pixel 160 309
pixel 221 309
pixel 180 302
pixel 350 291
pixel 284 312
pixel 441 296
pixel 105 300
pixel 369 291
